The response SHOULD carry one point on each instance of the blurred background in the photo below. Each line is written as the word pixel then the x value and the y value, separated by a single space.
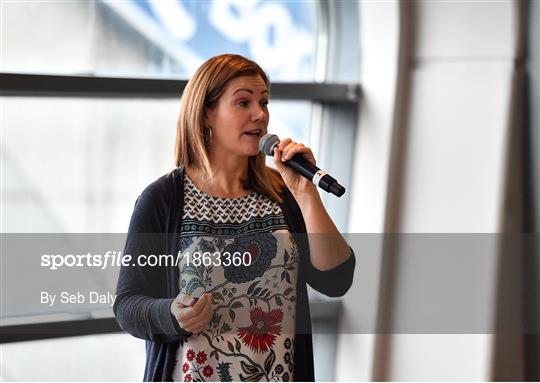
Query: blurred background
pixel 426 111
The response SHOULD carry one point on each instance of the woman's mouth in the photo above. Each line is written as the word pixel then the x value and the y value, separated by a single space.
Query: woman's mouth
pixel 254 133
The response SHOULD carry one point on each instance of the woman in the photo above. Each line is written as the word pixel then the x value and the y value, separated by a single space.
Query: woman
pixel 224 320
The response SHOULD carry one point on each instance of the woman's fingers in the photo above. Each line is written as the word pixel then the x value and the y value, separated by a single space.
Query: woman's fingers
pixel 277 160
pixel 283 143
pixel 202 318
pixel 181 301
pixel 185 299
pixel 190 324
pixel 288 150
pixel 292 148
pixel 200 327
pixel 192 311
pixel 199 324
pixel 285 150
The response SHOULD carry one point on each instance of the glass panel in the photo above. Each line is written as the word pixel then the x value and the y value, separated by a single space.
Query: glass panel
pixel 156 36
pixel 94 358
pixel 105 358
pixel 77 165
pixel 344 59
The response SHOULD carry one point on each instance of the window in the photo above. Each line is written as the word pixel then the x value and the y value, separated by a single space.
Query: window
pixel 79 142
pixel 144 37
pixel 76 165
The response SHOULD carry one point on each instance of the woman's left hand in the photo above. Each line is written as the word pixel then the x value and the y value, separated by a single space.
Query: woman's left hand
pixel 297 184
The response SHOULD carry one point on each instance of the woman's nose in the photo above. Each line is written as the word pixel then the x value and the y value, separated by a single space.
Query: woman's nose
pixel 259 113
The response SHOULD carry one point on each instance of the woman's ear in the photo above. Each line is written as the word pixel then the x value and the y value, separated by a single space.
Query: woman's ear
pixel 208 117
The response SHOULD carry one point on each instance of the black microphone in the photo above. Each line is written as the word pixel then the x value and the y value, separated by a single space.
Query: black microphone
pixel 304 167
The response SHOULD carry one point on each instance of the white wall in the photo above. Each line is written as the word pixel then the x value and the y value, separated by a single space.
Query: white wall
pixel 453 169
pixel 454 165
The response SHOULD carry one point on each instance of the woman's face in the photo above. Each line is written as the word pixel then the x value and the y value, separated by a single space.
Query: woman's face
pixel 240 117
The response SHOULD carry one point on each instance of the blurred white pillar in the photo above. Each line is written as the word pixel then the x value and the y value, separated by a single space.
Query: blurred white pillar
pixel 432 157
pixel 379 23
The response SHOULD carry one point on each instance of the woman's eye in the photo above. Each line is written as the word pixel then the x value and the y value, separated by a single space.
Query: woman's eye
pixel 242 103
pixel 264 104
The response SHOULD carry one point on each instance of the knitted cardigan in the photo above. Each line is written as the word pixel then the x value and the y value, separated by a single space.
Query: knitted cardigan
pixel 145 294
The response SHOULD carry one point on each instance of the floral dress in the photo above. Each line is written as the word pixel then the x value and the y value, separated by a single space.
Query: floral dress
pixel 250 267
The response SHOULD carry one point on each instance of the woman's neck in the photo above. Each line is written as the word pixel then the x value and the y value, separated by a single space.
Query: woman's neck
pixel 227 179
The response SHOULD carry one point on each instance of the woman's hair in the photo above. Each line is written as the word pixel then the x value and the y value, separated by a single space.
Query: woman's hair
pixel 203 91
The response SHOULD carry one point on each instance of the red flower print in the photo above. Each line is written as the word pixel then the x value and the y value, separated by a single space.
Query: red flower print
pixel 208 371
pixel 190 354
pixel 201 357
pixel 188 378
pixel 185 368
pixel 263 330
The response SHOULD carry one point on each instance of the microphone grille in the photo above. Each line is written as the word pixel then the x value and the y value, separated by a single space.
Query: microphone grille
pixel 267 144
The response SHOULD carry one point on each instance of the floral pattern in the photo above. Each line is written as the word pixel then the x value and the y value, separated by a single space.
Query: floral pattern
pixel 261 334
pixel 261 246
pixel 223 372
pixel 251 335
pixel 185 242
pixel 196 367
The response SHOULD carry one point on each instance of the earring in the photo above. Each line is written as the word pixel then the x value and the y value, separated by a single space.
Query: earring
pixel 208 135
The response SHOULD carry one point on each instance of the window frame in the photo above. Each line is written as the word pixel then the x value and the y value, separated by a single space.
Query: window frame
pixel 335 108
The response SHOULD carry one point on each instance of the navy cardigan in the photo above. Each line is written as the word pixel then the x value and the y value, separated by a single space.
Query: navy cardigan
pixel 145 294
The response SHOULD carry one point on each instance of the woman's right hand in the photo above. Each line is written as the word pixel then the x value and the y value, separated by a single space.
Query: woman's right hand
pixel 193 315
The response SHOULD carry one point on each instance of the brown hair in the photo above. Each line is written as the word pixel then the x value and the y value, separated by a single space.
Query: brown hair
pixel 203 91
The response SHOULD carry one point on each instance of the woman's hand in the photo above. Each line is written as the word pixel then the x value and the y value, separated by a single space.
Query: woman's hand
pixel 193 316
pixel 297 184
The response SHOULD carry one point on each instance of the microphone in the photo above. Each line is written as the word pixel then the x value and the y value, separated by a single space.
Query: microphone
pixel 329 184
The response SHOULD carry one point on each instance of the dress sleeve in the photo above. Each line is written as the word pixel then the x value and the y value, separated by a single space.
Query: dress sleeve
pixel 334 282
pixel 141 307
